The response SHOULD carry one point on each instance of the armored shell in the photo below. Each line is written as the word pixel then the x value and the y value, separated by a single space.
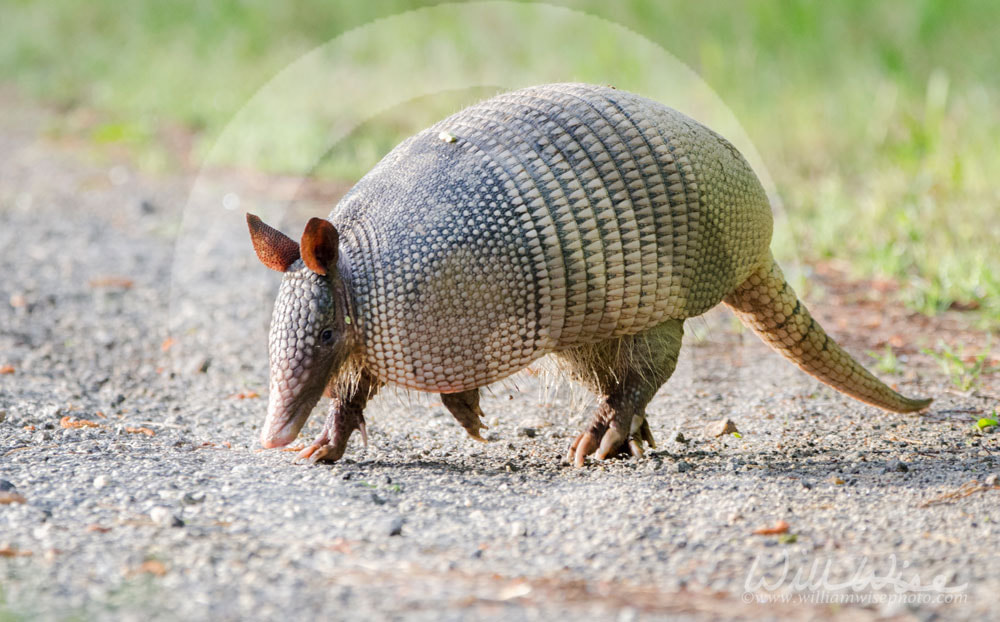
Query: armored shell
pixel 539 220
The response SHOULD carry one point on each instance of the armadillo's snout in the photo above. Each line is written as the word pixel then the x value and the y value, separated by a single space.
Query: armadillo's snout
pixel 278 435
pixel 287 412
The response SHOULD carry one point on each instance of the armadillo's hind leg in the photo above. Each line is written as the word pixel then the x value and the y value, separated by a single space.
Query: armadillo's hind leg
pixel 346 414
pixel 626 373
pixel 464 407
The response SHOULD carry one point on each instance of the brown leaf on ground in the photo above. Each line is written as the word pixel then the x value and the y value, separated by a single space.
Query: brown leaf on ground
pixel 167 344
pixel 965 305
pixel 112 281
pixel 12 552
pixel 340 545
pixel 778 528
pixel 7 498
pixel 152 566
pixel 70 422
pixel 145 431
pixel 6 369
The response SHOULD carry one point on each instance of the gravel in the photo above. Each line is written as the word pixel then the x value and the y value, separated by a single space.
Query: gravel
pixel 897 466
pixel 121 309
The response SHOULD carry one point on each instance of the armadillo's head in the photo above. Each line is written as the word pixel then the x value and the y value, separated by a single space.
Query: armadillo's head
pixel 311 334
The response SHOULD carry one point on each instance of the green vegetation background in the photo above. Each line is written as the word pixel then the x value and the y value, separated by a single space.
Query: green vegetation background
pixel 879 121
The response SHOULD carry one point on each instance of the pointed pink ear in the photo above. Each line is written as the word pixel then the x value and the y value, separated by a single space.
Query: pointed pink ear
pixel 319 245
pixel 275 250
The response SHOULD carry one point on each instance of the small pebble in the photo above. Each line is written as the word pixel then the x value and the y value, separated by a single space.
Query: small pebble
pixel 3 415
pixel 991 480
pixel 721 428
pixel 896 466
pixel 41 436
pixel 192 498
pixel 100 481
pixel 395 526
pixel 199 364
pixel 518 529
pixel 162 515
pixel 683 467
pixel 6 486
pixel 527 432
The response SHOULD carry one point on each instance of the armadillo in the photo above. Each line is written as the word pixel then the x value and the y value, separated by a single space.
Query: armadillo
pixel 571 220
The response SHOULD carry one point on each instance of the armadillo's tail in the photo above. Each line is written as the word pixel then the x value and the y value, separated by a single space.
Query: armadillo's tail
pixel 767 304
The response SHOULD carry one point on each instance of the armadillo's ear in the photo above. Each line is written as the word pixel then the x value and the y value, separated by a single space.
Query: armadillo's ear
pixel 319 245
pixel 275 250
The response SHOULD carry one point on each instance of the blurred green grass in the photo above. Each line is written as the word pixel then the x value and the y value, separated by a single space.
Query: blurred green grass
pixel 879 122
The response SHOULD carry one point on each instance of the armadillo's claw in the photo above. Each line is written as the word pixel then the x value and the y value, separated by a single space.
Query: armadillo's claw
pixel 612 443
pixel 608 440
pixel 326 453
pixel 476 436
pixel 310 450
pixel 324 450
pixel 465 408
pixel 321 449
pixel 305 453
pixel 645 434
pixel 331 444
pixel 583 446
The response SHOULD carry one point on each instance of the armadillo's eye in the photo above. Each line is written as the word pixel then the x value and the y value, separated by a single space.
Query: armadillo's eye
pixel 326 337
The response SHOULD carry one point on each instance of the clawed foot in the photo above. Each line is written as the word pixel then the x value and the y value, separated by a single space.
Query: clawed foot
pixel 609 440
pixel 465 408
pixel 331 443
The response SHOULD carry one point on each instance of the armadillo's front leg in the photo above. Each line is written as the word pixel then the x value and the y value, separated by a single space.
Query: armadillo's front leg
pixel 346 414
pixel 620 425
pixel 465 408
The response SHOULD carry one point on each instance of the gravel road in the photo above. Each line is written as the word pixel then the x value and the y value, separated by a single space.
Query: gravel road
pixel 134 326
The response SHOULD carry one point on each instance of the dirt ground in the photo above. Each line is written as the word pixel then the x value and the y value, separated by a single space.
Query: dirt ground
pixel 133 376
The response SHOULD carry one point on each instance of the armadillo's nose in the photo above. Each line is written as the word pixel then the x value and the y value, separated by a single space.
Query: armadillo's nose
pixel 270 440
pixel 285 418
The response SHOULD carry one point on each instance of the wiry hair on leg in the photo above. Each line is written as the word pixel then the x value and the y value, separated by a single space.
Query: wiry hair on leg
pixel 601 366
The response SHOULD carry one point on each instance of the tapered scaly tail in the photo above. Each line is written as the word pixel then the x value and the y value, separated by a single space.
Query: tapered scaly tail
pixel 767 304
